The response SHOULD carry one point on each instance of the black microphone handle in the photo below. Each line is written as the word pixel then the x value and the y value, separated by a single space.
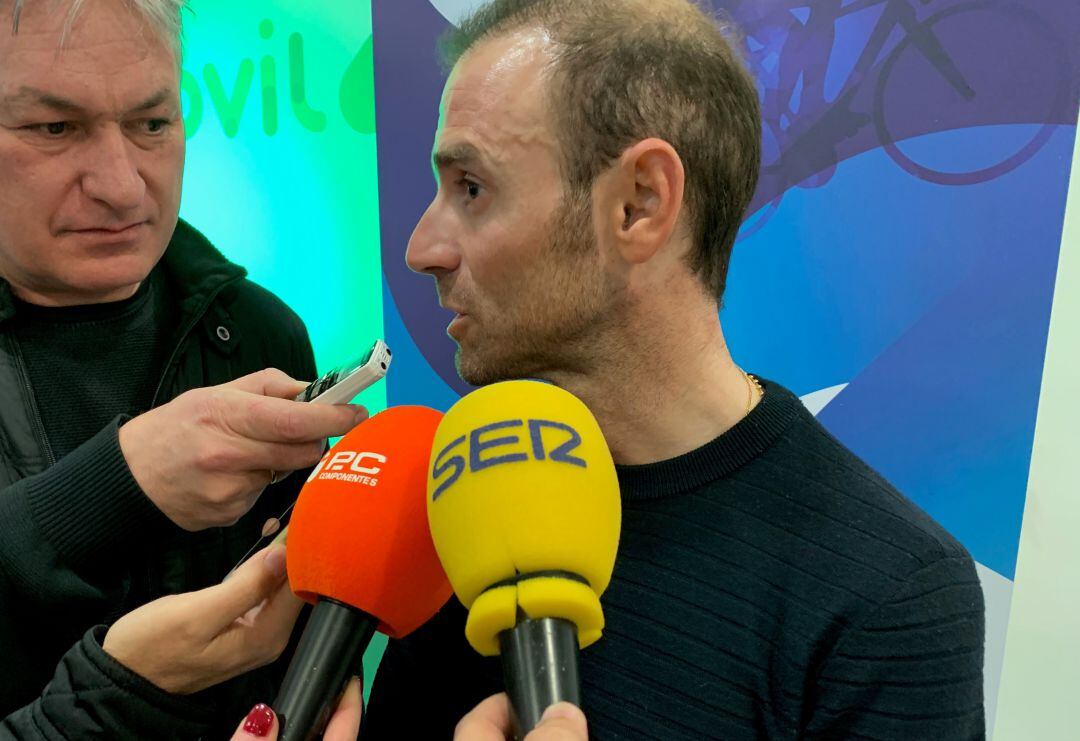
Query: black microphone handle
pixel 540 668
pixel 333 642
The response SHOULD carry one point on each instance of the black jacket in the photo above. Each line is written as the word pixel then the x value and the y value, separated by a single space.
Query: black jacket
pixel 81 544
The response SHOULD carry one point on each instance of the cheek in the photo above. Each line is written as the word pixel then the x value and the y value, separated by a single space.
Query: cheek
pixel 32 189
pixel 507 260
pixel 163 171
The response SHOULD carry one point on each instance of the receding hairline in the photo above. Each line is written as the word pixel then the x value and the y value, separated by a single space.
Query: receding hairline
pixel 685 14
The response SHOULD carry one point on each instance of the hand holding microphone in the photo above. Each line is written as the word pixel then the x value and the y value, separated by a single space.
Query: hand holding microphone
pixel 524 508
pixel 360 550
pixel 488 721
pixel 187 642
pixel 491 721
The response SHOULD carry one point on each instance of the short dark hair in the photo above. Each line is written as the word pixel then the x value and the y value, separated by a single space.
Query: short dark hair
pixel 627 70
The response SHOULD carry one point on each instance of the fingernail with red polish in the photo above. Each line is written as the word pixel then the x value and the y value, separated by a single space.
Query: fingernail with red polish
pixel 259 721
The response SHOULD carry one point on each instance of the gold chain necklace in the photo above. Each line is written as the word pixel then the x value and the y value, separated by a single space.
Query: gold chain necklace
pixel 751 384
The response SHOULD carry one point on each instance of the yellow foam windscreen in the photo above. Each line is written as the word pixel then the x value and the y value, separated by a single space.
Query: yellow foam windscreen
pixel 524 508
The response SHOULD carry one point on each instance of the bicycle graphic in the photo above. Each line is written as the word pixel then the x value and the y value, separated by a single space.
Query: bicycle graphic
pixel 791 48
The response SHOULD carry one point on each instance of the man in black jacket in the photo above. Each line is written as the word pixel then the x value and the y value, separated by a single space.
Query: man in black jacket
pixel 122 477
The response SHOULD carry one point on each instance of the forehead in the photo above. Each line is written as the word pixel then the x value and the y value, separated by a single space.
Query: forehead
pixel 496 95
pixel 108 52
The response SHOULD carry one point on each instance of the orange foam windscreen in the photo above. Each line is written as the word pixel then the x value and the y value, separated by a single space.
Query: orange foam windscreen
pixel 359 533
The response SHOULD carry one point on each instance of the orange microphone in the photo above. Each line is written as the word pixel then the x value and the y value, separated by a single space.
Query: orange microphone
pixel 360 550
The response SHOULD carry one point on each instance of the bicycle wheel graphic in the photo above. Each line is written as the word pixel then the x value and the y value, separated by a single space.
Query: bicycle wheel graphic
pixel 989 46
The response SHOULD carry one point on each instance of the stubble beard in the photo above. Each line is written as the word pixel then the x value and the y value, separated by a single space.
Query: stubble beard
pixel 555 319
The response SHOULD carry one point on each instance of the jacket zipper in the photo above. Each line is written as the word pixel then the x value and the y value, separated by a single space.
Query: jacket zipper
pixel 35 413
pixel 196 317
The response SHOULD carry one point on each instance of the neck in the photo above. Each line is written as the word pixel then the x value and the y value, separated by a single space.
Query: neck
pixel 672 388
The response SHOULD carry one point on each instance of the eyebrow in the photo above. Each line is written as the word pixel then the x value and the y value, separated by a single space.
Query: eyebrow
pixel 32 95
pixel 458 155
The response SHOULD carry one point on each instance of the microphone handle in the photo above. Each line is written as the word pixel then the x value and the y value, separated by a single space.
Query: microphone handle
pixel 329 650
pixel 540 668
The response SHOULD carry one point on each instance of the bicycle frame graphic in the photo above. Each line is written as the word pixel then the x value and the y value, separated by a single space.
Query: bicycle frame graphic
pixel 791 50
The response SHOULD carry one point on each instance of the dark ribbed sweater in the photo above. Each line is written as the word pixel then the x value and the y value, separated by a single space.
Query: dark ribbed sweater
pixel 768 585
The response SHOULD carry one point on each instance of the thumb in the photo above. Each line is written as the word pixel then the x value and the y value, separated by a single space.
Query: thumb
pixel 345 723
pixel 269 382
pixel 561 722
pixel 246 589
pixel 261 722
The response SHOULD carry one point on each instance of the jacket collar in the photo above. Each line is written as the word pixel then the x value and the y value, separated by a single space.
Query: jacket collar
pixel 196 268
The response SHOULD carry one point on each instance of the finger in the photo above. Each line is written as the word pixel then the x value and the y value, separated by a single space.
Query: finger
pixel 274 619
pixel 280 420
pixel 232 454
pixel 260 723
pixel 345 723
pixel 488 721
pixel 251 584
pixel 265 631
pixel 258 638
pixel 258 455
pixel 561 722
pixel 280 539
pixel 268 382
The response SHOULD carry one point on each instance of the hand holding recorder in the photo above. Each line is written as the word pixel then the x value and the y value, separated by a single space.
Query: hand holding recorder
pixel 205 457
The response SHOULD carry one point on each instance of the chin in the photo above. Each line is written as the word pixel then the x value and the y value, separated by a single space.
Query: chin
pixel 117 276
pixel 468 370
pixel 481 371
pixel 476 371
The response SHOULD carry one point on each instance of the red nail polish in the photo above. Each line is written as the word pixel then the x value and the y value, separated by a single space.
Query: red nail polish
pixel 259 721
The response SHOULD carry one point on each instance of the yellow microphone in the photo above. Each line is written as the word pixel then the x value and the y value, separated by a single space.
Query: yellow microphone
pixel 524 508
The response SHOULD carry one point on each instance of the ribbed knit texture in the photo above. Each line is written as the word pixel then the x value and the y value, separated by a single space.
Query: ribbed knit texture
pixel 768 585
pixel 73 522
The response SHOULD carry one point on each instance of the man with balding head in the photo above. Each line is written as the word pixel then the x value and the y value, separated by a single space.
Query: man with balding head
pixel 594 161
pixel 140 426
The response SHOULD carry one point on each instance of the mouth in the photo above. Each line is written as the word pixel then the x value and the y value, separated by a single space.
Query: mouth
pixel 111 233
pixel 457 325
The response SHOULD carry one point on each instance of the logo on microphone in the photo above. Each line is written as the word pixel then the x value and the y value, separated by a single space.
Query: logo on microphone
pixel 348 465
pixel 480 442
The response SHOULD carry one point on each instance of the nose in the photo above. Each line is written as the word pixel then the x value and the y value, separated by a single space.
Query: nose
pixel 432 248
pixel 112 175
